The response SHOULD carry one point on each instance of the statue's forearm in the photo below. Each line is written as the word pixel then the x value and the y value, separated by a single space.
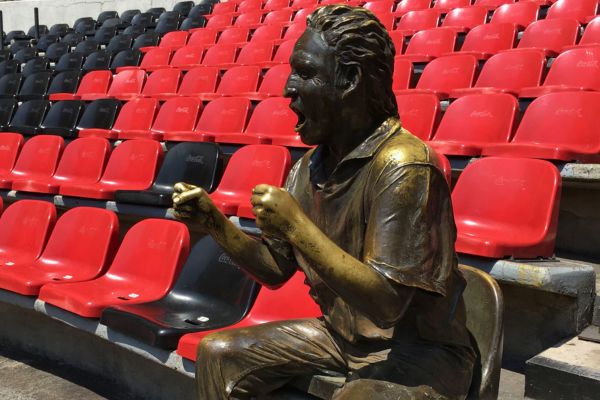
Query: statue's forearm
pixel 252 255
pixel 356 282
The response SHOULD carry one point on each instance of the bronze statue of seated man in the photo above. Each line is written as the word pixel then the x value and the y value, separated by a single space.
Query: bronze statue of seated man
pixel 368 218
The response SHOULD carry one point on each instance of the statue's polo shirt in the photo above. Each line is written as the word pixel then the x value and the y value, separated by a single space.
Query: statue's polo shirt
pixel 387 204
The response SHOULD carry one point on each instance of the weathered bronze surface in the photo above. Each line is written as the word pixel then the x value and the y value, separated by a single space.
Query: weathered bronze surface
pixel 367 216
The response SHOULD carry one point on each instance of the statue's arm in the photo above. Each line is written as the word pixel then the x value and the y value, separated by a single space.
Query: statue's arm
pixel 269 268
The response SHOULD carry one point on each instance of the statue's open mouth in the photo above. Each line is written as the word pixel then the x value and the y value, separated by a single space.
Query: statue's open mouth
pixel 301 119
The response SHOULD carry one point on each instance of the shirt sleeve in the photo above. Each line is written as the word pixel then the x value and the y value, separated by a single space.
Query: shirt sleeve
pixel 410 230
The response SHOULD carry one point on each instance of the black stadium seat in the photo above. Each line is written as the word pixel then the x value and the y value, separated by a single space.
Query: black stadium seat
pixel 145 20
pixel 97 61
pixel 211 292
pixel 68 62
pixel 56 50
pixel 134 31
pixel 183 7
pixel 45 41
pixel 35 86
pixel 104 35
pixel 105 16
pixel 192 23
pixel 5 54
pixel 25 54
pixel 119 43
pixel 196 163
pixel 28 117
pixel 65 82
pixel 126 58
pixel 7 110
pixel 59 29
pixel 127 16
pixel 86 27
pixel 62 118
pixel 37 64
pixel 100 114
pixel 9 67
pixel 73 38
pixel 10 85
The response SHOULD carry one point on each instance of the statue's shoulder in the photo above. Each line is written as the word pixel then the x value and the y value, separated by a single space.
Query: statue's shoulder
pixel 405 148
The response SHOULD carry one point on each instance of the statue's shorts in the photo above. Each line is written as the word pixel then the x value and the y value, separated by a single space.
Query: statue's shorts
pixel 244 363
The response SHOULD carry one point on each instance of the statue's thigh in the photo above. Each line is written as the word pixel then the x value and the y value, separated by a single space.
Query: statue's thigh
pixel 360 389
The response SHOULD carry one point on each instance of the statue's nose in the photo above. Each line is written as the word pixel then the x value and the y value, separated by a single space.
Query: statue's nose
pixel 290 91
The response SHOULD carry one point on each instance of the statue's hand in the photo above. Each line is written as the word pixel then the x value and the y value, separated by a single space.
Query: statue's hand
pixel 192 202
pixel 277 212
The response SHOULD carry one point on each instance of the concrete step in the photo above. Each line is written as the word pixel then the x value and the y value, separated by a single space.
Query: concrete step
pixel 570 371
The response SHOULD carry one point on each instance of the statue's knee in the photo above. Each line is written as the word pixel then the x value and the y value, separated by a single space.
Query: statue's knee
pixel 217 346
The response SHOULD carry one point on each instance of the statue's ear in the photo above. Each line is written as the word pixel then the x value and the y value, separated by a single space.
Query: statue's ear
pixel 353 78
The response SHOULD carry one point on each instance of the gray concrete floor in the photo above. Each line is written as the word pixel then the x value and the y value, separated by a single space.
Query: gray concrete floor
pixel 25 377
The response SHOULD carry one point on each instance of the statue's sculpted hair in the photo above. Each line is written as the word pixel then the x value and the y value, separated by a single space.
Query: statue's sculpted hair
pixel 359 39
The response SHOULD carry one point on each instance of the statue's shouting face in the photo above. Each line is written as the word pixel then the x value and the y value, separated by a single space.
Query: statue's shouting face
pixel 315 97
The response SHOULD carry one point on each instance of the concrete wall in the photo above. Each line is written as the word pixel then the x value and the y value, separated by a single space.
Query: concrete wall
pixel 18 15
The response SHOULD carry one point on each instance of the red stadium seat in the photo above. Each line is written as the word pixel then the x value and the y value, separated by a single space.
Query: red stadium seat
pixel 220 55
pixel 474 121
pixel 508 72
pixel 507 207
pixel 82 162
pixel 131 166
pixel 446 168
pixel 581 10
pixel 448 5
pixel 143 270
pixel 24 228
pixel 220 22
pixel 278 17
pixel 249 19
pixel 272 118
pixel 199 80
pixel 249 5
pixel 203 37
pixel 256 53
pixel 288 302
pixel 127 85
pixel 272 85
pixel 549 35
pixel 484 41
pixel 398 40
pixel 187 57
pixel 94 85
pixel 234 35
pixel 590 37
pixel 301 15
pixel 173 40
pixel 175 115
pixel 419 113
pixel 156 58
pixel 236 80
pixel 284 52
pixel 380 6
pixel 465 19
pixel 428 44
pixel 135 115
pixel 162 84
pixel 272 5
pixel 415 21
pixel 37 160
pixel 267 33
pixel 557 126
pixel 577 69
pixel 406 6
pixel 403 70
pixel 250 166
pixel 220 116
pixel 492 4
pixel 96 232
pixel 445 74
pixel 520 14
pixel 223 8
pixel 300 4
pixel 10 146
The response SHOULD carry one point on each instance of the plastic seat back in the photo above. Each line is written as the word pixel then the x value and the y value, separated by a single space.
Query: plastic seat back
pixel 484 306
pixel 25 55
pixel 65 82
pixel 224 115
pixel 414 21
pixel 550 35
pixel 106 15
pixel 465 18
pixel 294 31
pixel 199 80
pixel 581 10
pixel 419 113
pixel 493 4
pixel 203 37
pixel 174 40
pixel 24 229
pixel 137 114
pixel 446 73
pixel 219 54
pixel 146 40
pixel 35 86
pixel 234 35
pixel 507 207
pixel 282 16
pixel 73 39
pixel 144 20
pixel 479 118
pixel 284 52
pixel 157 57
pixel 591 34
pixel 520 14
pixel 105 34
pixel 7 110
pixel 178 114
pixel 69 62
pixel 448 5
pixel 152 253
pixel 127 83
pixel 432 42
pixel 39 157
pixel 119 43
pixel 249 19
pixel 224 8
pixel 10 146
pixel 62 118
pixel 87 47
pixel 274 81
pixel 96 232
pixel 275 4
pixel 83 161
pixel 239 80
pixel 192 23
pixel 98 60
pixel 183 7
pixel 100 114
pixel 56 50
pixel 273 117
pixel 95 82
pixel 220 21
pixel 384 6
pixel 267 33
pixel 512 70
pixel 37 64
pixel 29 116
pixel 490 38
pixel 576 68
pixel 187 57
pixel 10 84
pixel 255 53
pixel 133 162
pixel 162 81
pixel 126 58
pixel 568 119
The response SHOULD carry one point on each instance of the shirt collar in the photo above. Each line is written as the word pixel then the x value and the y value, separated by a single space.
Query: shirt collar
pixel 366 149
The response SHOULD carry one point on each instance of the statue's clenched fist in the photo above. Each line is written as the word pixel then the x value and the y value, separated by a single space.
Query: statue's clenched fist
pixel 277 212
pixel 193 202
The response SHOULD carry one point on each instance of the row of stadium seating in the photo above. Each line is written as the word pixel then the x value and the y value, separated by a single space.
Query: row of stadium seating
pixel 558 126
pixel 88 281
